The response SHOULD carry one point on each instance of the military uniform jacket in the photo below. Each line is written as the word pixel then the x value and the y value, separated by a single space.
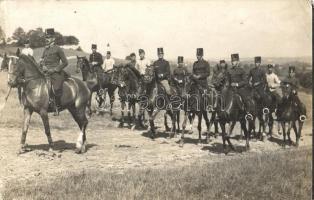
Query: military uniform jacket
pixel 179 73
pixel 258 76
pixel 52 56
pixel 201 68
pixel 96 57
pixel 292 81
pixel 162 67
pixel 237 75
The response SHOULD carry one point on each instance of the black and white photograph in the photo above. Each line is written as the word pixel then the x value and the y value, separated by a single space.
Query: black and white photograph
pixel 156 99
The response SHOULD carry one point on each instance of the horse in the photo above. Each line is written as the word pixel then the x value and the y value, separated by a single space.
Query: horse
pixel 35 98
pixel 90 77
pixel 196 101
pixel 156 100
pixel 230 110
pixel 128 84
pixel 290 114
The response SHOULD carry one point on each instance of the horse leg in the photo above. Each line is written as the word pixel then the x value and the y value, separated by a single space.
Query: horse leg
pixel 81 120
pixel 111 96
pixel 178 120
pixel 246 132
pixel 151 116
pixel 89 106
pixel 270 126
pixel 223 133
pixel 199 127
pixel 208 126
pixel 283 125
pixel 216 127
pixel 123 104
pixel 191 119
pixel 229 129
pixel 129 113
pixel 288 133
pixel 297 136
pixel 27 118
pixel 166 122
pixel 173 120
pixel 44 117
pixel 183 128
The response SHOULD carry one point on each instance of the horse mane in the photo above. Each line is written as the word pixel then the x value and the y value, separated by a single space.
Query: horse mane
pixel 32 63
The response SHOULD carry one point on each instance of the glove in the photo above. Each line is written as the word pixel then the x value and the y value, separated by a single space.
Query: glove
pixel 94 63
pixel 234 84
pixel 51 71
pixel 160 76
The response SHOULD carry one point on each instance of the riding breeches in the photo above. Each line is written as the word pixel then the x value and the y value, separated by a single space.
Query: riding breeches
pixel 276 97
pixel 57 80
pixel 166 86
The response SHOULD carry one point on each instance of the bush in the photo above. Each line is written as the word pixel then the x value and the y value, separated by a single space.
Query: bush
pixel 305 79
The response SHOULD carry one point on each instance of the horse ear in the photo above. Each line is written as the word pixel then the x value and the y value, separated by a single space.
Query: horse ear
pixel 18 52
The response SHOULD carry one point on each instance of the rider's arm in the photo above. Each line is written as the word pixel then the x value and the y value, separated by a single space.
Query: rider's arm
pixel 243 79
pixel 64 60
pixel 101 61
pixel 167 70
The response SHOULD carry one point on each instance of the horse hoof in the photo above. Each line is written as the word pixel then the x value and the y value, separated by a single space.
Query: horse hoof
pixel 133 127
pixel 78 151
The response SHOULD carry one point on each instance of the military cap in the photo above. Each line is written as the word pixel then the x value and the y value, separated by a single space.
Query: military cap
pixel 222 61
pixel 94 46
pixel 291 69
pixel 235 57
pixel 49 32
pixel 160 50
pixel 180 59
pixel 270 66
pixel 141 51
pixel 132 54
pixel 257 59
pixel 199 52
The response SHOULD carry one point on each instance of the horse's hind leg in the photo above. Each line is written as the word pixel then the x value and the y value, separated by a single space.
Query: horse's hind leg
pixel 288 132
pixel 183 128
pixel 166 122
pixel 80 118
pixel 223 133
pixel 283 125
pixel 178 120
pixel 44 116
pixel 199 127
pixel 297 136
pixel 112 98
pixel 208 125
pixel 27 118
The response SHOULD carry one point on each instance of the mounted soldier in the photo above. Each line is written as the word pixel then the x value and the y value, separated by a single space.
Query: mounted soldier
pixel 179 75
pixel 96 62
pixel 50 62
pixel 237 79
pixel 162 70
pixel 201 71
pixel 293 81
pixel 219 79
pixel 27 50
pixel 273 82
pixel 257 79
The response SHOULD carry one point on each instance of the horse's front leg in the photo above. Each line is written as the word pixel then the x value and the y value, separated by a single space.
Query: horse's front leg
pixel 199 127
pixel 129 113
pixel 288 133
pixel 167 128
pixel 283 125
pixel 27 118
pixel 112 98
pixel 297 136
pixel 152 114
pixel 173 116
pixel 45 119
pixel 246 132
pixel 122 114
pixel 178 120
pixel 183 128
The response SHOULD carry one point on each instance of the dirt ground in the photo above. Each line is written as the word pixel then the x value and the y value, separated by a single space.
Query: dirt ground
pixel 110 147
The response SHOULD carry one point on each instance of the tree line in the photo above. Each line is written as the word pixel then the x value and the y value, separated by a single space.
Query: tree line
pixel 36 38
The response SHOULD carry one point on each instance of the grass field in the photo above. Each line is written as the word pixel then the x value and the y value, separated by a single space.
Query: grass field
pixel 280 175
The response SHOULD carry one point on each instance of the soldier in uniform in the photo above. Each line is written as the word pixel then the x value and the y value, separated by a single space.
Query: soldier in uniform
pixel 179 75
pixel 96 62
pixel 293 81
pixel 273 82
pixel 143 62
pixel 50 62
pixel 238 79
pixel 219 79
pixel 201 70
pixel 162 70
pixel 257 78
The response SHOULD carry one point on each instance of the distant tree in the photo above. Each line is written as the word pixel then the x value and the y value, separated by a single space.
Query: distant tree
pixel 36 38
pixel 59 39
pixel 79 48
pixel 2 36
pixel 70 40
pixel 20 35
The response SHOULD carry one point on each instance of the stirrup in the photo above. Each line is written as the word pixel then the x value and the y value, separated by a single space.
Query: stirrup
pixel 56 113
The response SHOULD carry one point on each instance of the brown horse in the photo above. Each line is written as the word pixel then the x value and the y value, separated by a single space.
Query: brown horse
pixel 35 98
pixel 90 77
pixel 290 114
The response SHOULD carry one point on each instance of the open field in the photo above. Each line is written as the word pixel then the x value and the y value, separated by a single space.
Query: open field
pixel 125 164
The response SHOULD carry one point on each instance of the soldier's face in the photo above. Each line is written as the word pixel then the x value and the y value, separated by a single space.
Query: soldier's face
pixel 199 57
pixel 180 64
pixel 235 63
pixel 292 74
pixel 108 55
pixel 94 50
pixel 257 64
pixel 222 65
pixel 161 55
pixel 142 56
pixel 270 70
pixel 133 58
pixel 49 41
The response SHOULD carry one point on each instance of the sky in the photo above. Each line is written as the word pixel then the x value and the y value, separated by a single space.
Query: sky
pixel 269 28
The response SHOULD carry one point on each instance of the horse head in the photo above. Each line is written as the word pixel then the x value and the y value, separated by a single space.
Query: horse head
pixel 286 89
pixel 119 75
pixel 149 75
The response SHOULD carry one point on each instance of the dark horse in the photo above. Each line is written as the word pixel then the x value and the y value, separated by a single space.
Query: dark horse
pixel 230 110
pixel 128 84
pixel 290 114
pixel 35 98
pixel 196 101
pixel 90 77
pixel 156 100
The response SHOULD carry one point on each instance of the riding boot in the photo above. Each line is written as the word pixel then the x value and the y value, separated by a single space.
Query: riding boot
pixel 57 103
